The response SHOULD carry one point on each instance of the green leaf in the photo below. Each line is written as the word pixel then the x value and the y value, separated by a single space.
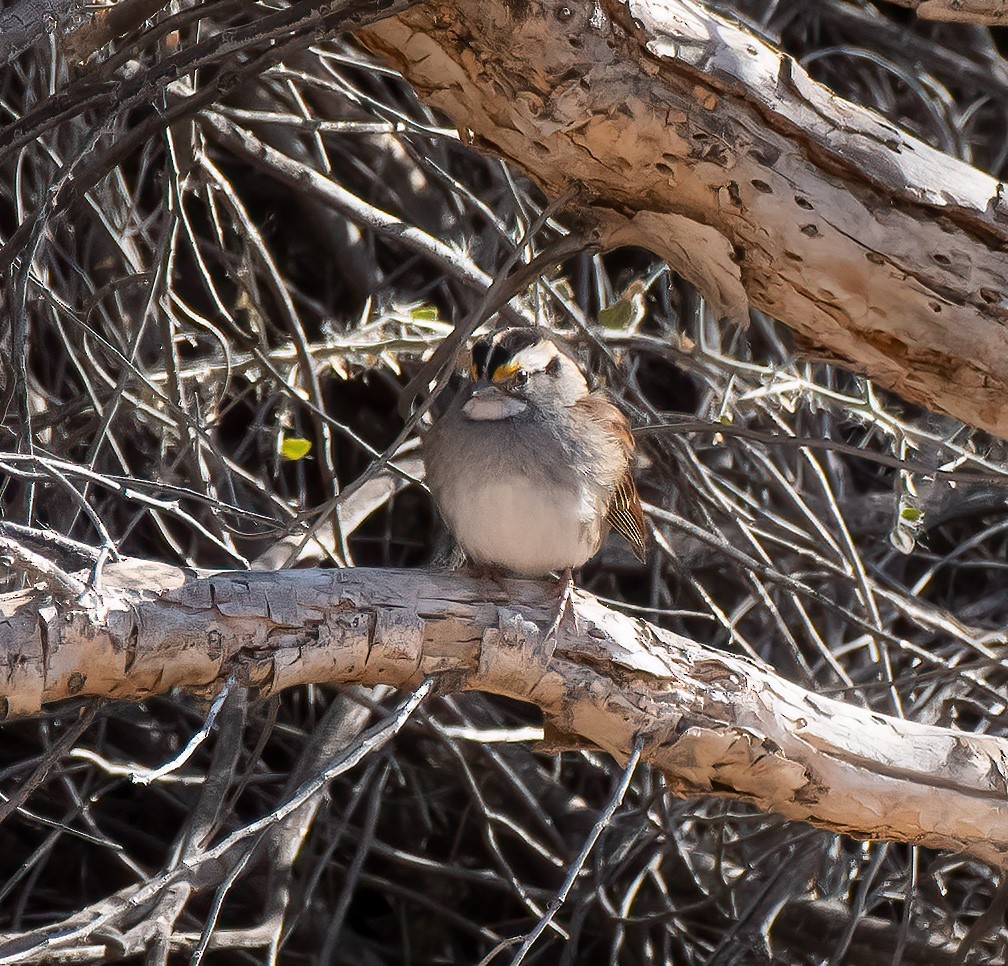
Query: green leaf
pixel 911 514
pixel 295 448
pixel 625 313
pixel 424 313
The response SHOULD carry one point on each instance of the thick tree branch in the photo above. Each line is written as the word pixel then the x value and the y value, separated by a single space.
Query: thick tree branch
pixel 962 11
pixel 693 138
pixel 713 723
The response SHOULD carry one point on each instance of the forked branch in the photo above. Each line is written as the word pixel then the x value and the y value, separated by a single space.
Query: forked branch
pixel 694 138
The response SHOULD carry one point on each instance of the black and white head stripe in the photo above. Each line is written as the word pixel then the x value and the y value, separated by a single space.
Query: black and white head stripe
pixel 500 349
pixel 480 355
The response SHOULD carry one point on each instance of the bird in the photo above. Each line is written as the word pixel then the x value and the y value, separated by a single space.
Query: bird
pixel 528 466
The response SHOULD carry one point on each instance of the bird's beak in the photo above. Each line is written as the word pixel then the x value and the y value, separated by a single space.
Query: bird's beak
pixel 487 390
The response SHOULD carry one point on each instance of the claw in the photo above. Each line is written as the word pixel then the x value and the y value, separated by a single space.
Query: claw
pixel 563 606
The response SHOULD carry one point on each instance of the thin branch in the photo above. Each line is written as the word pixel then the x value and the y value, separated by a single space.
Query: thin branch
pixel 619 793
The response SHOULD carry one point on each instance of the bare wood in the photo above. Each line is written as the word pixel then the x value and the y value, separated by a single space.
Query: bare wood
pixel 961 11
pixel 692 137
pixel 713 723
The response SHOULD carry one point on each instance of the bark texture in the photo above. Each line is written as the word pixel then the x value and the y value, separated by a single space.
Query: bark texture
pixel 713 723
pixel 960 11
pixel 691 137
pixel 25 23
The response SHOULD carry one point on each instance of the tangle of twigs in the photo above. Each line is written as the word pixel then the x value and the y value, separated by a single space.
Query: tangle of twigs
pixel 230 236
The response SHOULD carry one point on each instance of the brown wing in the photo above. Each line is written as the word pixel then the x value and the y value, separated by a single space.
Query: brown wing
pixel 626 516
pixel 624 513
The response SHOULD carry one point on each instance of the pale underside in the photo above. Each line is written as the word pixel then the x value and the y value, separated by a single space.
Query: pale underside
pixel 523 525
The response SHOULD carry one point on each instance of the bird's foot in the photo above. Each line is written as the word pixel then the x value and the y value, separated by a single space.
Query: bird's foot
pixel 563 607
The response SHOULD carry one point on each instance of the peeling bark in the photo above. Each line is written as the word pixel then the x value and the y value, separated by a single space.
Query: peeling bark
pixel 693 138
pixel 713 723
pixel 961 11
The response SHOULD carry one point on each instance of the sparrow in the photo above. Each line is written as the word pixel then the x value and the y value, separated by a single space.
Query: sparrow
pixel 528 466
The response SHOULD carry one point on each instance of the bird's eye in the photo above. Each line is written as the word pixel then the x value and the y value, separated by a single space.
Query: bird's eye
pixel 520 377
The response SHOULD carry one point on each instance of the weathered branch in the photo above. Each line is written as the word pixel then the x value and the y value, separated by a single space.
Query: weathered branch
pixel 713 723
pixel 692 137
pixel 961 11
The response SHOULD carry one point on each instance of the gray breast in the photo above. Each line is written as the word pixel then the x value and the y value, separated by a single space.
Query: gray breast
pixel 511 496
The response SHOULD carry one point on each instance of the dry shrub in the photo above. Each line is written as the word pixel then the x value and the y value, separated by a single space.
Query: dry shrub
pixel 178 313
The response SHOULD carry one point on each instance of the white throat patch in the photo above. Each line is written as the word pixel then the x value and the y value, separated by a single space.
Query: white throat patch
pixel 494 406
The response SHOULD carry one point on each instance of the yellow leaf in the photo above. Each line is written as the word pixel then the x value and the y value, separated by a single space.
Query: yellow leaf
pixel 295 448
pixel 424 313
